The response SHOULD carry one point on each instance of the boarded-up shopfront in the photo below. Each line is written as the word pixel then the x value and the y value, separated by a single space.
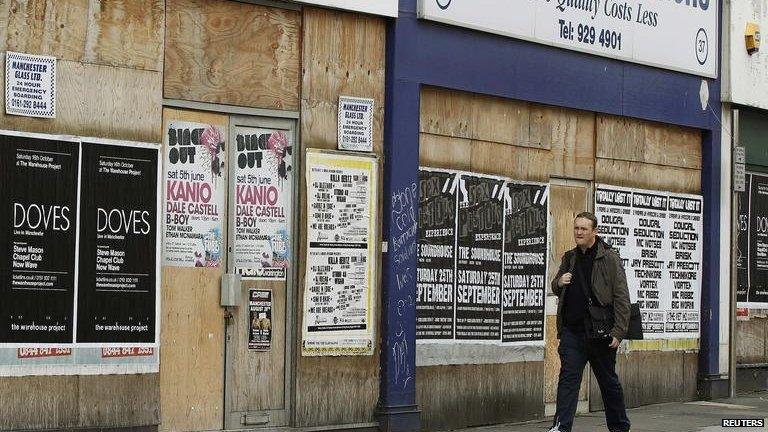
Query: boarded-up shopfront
pixel 572 151
pixel 590 128
pixel 232 95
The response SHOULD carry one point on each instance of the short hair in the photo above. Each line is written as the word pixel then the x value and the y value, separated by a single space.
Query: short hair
pixel 588 215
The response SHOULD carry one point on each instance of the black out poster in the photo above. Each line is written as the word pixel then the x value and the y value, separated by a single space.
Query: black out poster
pixel 436 255
pixel 757 278
pixel 259 319
pixel 118 244
pixel 525 255
pixel 480 224
pixel 38 210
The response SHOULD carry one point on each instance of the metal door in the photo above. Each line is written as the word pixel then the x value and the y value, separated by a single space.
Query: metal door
pixel 259 331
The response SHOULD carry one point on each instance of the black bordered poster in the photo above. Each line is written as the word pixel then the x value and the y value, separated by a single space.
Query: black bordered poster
pixel 38 213
pixel 436 254
pixel 117 288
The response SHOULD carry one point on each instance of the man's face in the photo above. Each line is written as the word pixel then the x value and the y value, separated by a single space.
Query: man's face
pixel 583 232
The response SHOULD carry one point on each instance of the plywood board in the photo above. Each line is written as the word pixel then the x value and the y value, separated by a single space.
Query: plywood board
pixel 49 27
pixel 750 341
pixel 499 159
pixel 565 202
pixel 500 120
pixel 446 112
pixel 453 397
pixel 99 101
pixel 652 377
pixel 126 33
pixel 46 402
pixel 343 54
pixel 573 148
pixel 119 400
pixel 192 334
pixel 439 151
pixel 647 176
pixel 635 140
pixel 258 378
pixel 232 53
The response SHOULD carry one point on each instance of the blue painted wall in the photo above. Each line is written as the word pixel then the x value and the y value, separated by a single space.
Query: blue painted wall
pixel 425 53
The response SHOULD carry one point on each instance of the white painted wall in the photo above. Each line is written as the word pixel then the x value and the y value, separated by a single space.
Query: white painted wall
pixel 745 76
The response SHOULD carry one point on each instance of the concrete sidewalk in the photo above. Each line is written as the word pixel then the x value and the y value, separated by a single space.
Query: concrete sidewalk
pixel 669 417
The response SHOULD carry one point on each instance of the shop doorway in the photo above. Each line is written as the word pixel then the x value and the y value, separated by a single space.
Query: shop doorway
pixel 261 248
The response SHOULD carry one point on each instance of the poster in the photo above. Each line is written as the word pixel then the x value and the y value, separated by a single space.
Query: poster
pixel 259 320
pixel 482 259
pixel 341 234
pixel 752 242
pixel 117 267
pixel 658 236
pixel 263 186
pixel 355 128
pixel 436 255
pixel 38 210
pixel 685 227
pixel 195 188
pixel 479 231
pixel 30 85
pixel 526 210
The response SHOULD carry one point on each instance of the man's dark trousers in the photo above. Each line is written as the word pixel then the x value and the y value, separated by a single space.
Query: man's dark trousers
pixel 575 351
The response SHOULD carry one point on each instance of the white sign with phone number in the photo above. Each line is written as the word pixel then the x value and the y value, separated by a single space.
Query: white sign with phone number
pixel 679 35
pixel 30 85
pixel 355 124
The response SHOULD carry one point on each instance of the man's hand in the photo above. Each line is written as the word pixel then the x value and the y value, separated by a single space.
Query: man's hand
pixel 614 343
pixel 564 280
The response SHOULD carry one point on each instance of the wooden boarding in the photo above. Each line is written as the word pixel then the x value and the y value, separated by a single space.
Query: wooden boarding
pixel 258 377
pixel 192 333
pixel 750 341
pixel 232 53
pixel 627 139
pixel 453 397
pixel 46 402
pixel 55 28
pixel 126 33
pixel 652 377
pixel 99 101
pixel 343 54
pixel 439 151
pixel 647 176
pixel 546 141
pixel 122 33
pixel 565 202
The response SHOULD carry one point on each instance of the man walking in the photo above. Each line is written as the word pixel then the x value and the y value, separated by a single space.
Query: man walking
pixel 591 268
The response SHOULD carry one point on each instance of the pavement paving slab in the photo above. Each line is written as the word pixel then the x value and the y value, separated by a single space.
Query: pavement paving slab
pixel 697 416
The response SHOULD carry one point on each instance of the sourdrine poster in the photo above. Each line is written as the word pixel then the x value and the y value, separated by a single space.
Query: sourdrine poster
pixel 482 259
pixel 195 188
pixel 526 210
pixel 436 255
pixel 340 278
pixel 480 243
pixel 263 186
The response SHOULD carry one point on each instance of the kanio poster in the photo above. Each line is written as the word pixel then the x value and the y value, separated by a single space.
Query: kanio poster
pixel 195 187
pixel 263 187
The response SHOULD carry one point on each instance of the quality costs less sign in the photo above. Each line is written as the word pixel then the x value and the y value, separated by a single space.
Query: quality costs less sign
pixel 630 30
